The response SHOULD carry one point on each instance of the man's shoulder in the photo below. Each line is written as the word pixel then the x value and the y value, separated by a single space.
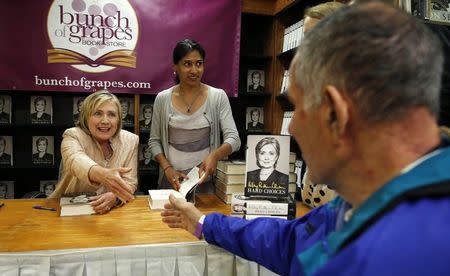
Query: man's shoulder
pixel 413 224
pixel 414 233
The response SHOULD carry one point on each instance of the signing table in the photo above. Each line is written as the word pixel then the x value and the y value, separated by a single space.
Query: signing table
pixel 131 240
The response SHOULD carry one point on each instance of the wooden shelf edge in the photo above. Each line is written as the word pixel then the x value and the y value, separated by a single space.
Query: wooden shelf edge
pixel 260 7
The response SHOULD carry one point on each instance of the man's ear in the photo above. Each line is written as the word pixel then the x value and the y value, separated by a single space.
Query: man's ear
pixel 338 110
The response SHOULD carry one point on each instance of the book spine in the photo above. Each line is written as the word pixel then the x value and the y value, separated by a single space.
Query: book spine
pixel 249 217
pixel 267 208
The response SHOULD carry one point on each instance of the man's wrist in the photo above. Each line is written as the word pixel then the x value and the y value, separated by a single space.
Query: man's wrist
pixel 199 228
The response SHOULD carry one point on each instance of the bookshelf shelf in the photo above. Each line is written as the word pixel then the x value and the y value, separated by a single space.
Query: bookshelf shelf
pixel 246 94
pixel 283 100
pixel 287 55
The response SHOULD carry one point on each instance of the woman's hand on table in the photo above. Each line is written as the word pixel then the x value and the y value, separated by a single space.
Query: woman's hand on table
pixel 103 203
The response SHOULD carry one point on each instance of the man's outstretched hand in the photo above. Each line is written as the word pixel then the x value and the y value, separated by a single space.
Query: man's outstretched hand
pixel 181 214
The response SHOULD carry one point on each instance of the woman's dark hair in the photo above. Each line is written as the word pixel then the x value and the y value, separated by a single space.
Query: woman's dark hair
pixel 183 48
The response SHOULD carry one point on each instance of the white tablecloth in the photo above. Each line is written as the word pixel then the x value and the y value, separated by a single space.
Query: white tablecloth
pixel 195 258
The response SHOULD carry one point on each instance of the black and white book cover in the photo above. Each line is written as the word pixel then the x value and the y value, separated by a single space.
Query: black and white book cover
pixel 76 107
pixel 6 151
pixel 41 109
pixel 127 105
pixel 255 81
pixel 47 186
pixel 6 189
pixel 5 109
pixel 76 204
pixel 267 167
pixel 254 119
pixel 439 10
pixel 43 150
pixel 145 117
pixel 145 158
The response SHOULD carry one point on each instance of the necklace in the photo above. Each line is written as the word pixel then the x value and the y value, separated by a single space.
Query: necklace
pixel 185 103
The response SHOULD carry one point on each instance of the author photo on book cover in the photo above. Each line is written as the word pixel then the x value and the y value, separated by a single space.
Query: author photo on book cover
pixel 188 121
pixel 43 152
pixel 145 121
pixel 5 151
pixel 255 118
pixel 127 111
pixel 145 158
pixel 269 174
pixel 47 187
pixel 6 189
pixel 5 109
pixel 98 156
pixel 77 103
pixel 41 109
pixel 255 81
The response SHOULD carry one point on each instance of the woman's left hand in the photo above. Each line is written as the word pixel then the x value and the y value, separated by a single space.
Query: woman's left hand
pixel 207 168
pixel 103 203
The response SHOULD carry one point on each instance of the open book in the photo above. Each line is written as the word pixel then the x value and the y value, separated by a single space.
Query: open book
pixel 76 204
pixel 157 198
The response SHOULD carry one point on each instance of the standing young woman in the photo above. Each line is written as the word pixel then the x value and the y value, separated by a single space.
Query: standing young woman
pixel 188 119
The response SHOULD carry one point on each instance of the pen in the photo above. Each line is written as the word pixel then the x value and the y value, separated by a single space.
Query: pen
pixel 44 208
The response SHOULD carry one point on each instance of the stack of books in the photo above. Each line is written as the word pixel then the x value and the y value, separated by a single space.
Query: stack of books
pixel 230 178
pixel 287 117
pixel 292 188
pixel 293 35
pixel 255 207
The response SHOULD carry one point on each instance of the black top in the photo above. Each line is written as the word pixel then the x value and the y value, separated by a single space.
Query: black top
pixel 259 88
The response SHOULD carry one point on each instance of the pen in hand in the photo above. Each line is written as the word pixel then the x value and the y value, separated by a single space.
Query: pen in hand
pixel 44 208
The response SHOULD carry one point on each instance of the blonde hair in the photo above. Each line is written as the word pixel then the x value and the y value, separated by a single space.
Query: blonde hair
pixel 92 103
pixel 322 10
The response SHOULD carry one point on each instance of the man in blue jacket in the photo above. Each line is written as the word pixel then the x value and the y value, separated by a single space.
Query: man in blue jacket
pixel 365 86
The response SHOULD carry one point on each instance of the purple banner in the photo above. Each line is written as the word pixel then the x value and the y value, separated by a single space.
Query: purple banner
pixel 123 46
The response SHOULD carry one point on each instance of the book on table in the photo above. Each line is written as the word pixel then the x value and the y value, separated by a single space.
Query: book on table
pixel 230 178
pixel 229 188
pixel 223 196
pixel 231 166
pixel 157 198
pixel 263 206
pixel 76 204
